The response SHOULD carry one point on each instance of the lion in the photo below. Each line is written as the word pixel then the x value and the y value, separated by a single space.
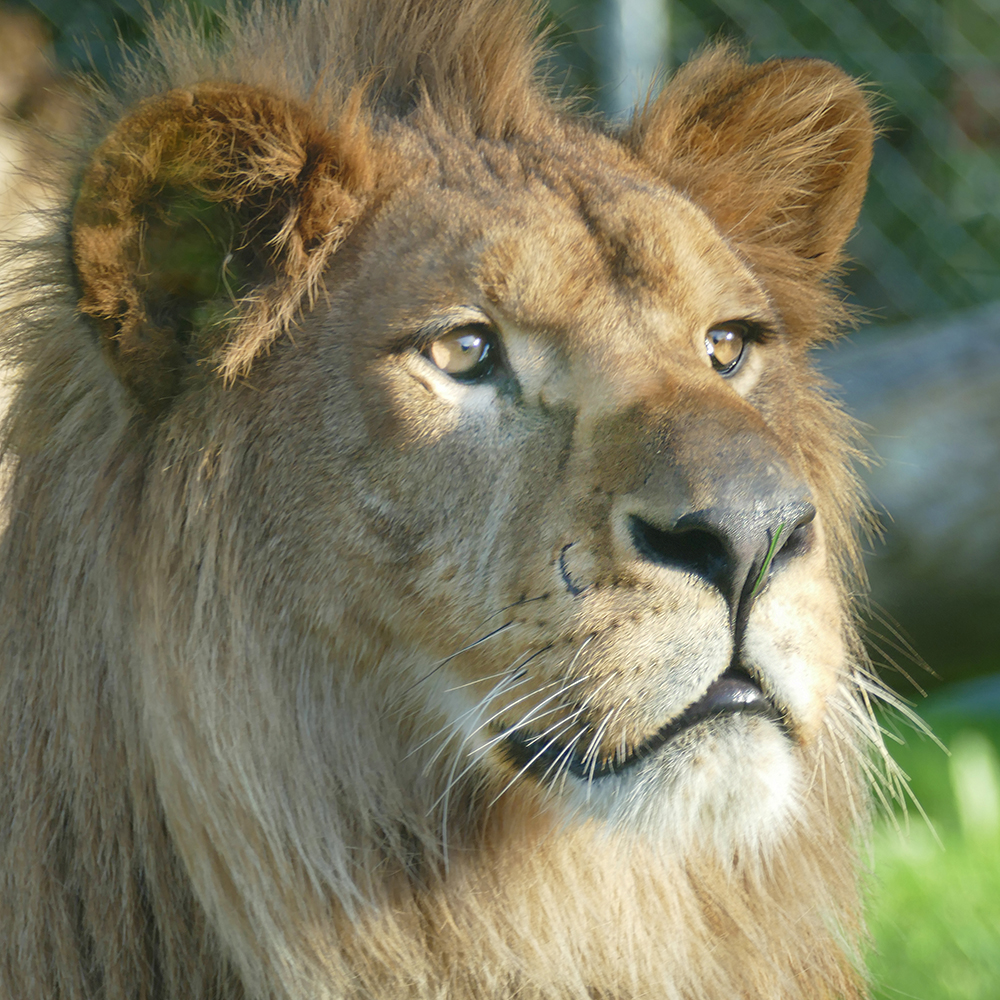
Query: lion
pixel 432 555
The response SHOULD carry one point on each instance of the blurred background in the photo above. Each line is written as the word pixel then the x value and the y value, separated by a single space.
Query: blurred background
pixel 922 371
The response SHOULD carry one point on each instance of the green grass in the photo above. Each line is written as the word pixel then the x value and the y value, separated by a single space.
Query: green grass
pixel 934 911
pixel 935 918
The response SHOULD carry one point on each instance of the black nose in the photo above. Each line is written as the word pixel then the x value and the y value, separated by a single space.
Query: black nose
pixel 733 548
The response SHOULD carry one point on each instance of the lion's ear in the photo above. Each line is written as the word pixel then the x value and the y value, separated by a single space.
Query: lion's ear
pixel 776 153
pixel 202 222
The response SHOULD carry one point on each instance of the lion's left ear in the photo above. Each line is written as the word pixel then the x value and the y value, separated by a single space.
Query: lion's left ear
pixel 776 153
pixel 203 221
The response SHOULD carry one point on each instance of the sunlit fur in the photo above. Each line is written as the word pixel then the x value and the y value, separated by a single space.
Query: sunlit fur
pixel 276 591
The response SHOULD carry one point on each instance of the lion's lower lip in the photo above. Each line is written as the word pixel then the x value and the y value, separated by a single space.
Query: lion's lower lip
pixel 735 692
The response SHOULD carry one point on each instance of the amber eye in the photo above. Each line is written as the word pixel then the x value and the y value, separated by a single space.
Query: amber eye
pixel 466 353
pixel 725 344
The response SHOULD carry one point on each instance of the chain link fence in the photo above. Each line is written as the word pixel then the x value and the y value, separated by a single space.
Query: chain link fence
pixel 929 238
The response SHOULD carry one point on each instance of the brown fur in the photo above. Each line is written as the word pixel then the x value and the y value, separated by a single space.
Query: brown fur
pixel 275 588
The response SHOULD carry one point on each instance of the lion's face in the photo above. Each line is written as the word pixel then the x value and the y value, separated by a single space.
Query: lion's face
pixel 563 433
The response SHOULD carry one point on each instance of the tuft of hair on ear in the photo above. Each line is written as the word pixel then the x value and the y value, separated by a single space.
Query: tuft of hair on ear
pixel 776 153
pixel 204 220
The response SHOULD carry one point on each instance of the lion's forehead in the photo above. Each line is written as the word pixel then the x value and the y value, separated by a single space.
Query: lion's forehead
pixel 593 253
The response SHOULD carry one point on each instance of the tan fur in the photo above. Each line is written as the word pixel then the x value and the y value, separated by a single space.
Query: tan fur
pixel 276 590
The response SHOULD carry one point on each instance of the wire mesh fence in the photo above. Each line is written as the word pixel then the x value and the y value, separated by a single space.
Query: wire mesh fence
pixel 929 238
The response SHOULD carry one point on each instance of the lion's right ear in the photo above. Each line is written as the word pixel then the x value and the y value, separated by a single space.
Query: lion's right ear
pixel 203 221
pixel 776 153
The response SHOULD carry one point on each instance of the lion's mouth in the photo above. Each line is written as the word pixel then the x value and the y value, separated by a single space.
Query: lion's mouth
pixel 734 693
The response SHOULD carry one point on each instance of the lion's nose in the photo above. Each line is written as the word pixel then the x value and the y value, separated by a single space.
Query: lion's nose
pixel 733 548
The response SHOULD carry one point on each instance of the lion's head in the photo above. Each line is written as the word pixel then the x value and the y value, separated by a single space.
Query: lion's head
pixel 430 546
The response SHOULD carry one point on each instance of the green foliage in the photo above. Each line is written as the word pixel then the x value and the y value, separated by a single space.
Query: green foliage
pixel 935 899
pixel 935 917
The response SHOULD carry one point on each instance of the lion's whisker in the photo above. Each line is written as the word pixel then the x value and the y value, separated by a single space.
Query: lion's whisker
pixel 444 799
pixel 536 737
pixel 476 710
pixel 472 645
pixel 583 645
pixel 561 764
pixel 523 770
pixel 507 682
pixel 565 754
pixel 888 781
pixel 620 751
pixel 453 779
pixel 530 715
pixel 589 699
pixel 478 680
pixel 514 604
pixel 595 743
pixel 895 640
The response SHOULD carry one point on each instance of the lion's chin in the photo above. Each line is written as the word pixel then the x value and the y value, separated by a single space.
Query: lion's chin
pixel 729 782
pixel 724 772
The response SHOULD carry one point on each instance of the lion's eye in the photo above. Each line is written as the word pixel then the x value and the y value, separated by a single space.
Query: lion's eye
pixel 466 353
pixel 725 345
